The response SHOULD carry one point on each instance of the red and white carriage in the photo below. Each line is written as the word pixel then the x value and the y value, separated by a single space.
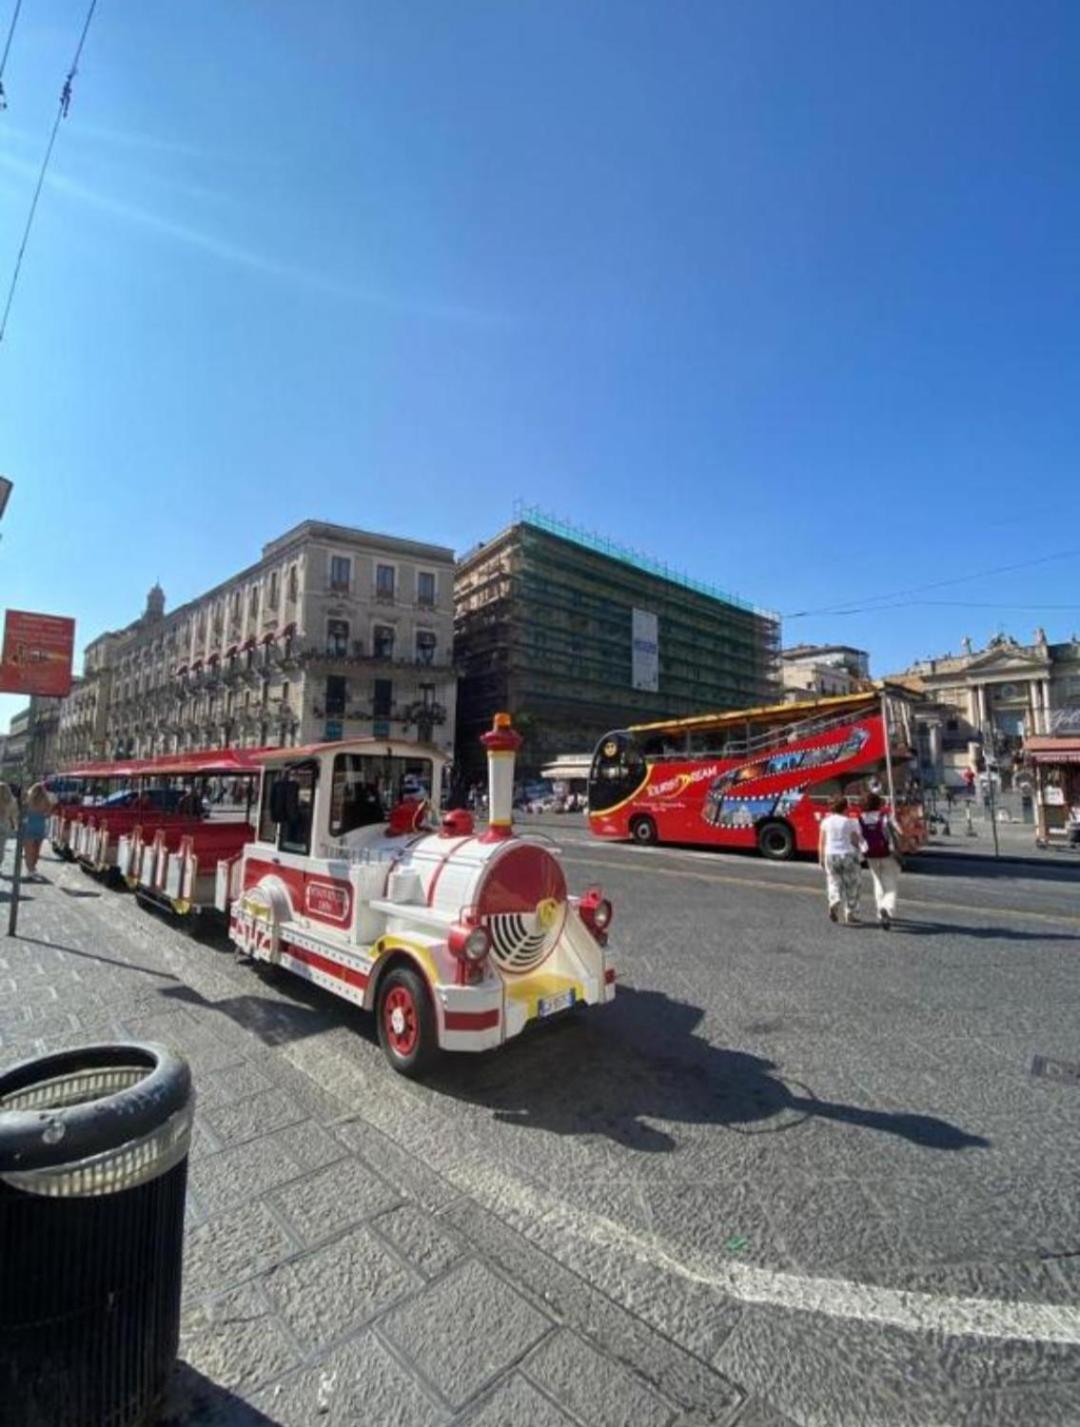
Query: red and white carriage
pixel 456 939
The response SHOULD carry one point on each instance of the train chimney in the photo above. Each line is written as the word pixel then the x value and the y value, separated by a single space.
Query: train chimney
pixel 502 744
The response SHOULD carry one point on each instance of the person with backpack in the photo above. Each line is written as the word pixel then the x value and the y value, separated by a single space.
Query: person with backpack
pixel 881 841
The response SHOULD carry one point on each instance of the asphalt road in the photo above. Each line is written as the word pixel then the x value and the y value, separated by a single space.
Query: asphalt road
pixel 813 1157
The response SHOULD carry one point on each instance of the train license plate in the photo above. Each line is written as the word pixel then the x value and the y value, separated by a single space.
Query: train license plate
pixel 548 1005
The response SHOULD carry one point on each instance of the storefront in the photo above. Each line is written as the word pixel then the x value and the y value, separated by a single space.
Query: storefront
pixel 1055 763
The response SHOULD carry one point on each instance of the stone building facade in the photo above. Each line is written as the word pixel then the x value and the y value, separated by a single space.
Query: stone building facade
pixel 980 706
pixel 335 632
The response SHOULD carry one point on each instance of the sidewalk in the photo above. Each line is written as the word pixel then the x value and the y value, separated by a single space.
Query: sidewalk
pixel 332 1276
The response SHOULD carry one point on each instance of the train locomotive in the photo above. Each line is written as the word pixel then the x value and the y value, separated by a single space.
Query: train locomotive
pixel 457 939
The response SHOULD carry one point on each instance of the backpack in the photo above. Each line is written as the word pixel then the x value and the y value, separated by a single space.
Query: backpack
pixel 876 835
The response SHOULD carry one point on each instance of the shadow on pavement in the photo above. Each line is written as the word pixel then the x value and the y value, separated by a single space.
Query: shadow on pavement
pixel 998 933
pixel 194 1401
pixel 939 862
pixel 299 1011
pixel 94 956
pixel 607 1071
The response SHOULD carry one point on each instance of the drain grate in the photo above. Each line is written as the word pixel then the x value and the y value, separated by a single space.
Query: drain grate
pixel 1065 1071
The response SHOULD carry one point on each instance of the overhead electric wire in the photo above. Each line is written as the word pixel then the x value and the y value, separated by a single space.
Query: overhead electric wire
pixel 61 113
pixel 7 47
pixel 949 604
pixel 874 601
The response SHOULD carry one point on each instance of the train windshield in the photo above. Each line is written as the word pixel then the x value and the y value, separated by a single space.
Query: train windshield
pixel 618 771
pixel 366 786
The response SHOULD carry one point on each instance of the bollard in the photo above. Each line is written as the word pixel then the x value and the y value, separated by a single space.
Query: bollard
pixel 93 1178
pixel 970 829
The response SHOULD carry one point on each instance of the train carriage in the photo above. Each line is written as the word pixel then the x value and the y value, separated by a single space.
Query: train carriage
pixel 456 939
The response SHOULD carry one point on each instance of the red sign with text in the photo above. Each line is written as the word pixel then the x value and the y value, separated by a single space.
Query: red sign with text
pixel 38 650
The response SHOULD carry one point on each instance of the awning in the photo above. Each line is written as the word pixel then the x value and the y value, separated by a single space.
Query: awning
pixel 1044 749
pixel 565 772
pixel 268 638
pixel 249 642
pixel 232 649
pixel 180 669
pixel 287 632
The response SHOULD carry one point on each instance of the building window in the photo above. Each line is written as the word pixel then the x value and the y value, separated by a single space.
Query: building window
pixel 384 582
pixel 335 696
pixel 272 597
pixel 425 588
pixel 293 584
pixel 236 604
pixel 383 698
pixel 337 637
pixel 253 602
pixel 340 572
pixel 425 646
pixel 383 642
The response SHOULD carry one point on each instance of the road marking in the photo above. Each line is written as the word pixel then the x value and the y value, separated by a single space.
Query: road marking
pixel 760 882
pixel 908 1309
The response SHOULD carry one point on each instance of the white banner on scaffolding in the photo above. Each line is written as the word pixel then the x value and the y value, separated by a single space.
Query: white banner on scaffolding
pixel 645 673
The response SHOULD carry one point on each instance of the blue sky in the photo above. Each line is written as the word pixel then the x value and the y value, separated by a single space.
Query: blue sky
pixel 782 293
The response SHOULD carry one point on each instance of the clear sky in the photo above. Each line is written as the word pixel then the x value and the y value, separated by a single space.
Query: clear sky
pixel 783 293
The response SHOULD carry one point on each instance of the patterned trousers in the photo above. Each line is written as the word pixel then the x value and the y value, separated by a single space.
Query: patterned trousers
pixel 842 881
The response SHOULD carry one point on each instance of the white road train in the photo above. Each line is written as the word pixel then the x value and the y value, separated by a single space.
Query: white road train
pixel 455 939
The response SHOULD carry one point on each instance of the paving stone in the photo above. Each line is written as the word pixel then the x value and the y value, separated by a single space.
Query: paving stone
pixel 310 1145
pixel 235 1340
pixel 515 1403
pixel 327 1294
pixel 322 1204
pixel 233 1083
pixel 684 1378
pixel 760 1414
pixel 465 1330
pixel 591 1385
pixel 356 1383
pixel 419 1237
pixel 237 1175
pixel 253 1117
pixel 234 1246
pixel 404 1170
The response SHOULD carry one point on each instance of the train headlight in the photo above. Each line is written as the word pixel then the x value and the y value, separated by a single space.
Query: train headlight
pixel 596 913
pixel 470 943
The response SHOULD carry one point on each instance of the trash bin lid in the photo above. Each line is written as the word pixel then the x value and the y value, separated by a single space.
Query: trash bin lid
pixel 90 1108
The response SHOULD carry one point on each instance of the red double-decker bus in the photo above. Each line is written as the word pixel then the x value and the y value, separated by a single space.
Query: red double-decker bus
pixel 757 778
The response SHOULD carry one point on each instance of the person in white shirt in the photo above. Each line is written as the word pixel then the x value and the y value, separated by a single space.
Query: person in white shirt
pixel 839 851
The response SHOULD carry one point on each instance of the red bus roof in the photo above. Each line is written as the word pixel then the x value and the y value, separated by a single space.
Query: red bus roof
pixel 768 713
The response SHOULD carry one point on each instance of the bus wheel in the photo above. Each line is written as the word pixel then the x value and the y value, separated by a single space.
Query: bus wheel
pixel 407 1030
pixel 643 831
pixel 775 841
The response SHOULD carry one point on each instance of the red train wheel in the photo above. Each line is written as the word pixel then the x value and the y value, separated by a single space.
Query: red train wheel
pixel 406 1019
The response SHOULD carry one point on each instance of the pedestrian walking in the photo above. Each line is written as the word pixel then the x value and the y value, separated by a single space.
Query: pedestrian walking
pixel 38 807
pixel 881 838
pixel 9 817
pixel 839 851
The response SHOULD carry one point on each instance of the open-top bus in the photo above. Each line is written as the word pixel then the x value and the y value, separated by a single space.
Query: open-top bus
pixel 756 778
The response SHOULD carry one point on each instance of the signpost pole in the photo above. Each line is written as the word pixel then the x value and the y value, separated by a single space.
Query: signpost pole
pixel 888 752
pixel 16 876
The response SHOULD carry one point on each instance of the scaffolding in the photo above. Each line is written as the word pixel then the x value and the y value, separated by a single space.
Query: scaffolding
pixel 603 545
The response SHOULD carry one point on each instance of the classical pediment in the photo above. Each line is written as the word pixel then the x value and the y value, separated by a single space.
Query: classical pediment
pixel 1013 660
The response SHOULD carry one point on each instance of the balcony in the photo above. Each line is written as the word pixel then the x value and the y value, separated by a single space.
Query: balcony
pixel 356 657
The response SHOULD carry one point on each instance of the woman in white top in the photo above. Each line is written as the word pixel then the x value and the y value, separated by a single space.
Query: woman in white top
pixel 839 851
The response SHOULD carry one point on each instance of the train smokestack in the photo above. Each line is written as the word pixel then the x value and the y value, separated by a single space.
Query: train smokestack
pixel 502 744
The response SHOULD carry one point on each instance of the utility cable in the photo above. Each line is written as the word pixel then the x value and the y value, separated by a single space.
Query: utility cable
pixel 7 50
pixel 872 601
pixel 61 113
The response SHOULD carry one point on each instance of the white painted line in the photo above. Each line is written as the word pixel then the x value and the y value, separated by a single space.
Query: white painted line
pixel 832 1297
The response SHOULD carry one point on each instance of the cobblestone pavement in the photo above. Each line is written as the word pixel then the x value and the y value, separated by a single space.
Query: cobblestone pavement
pixel 794 1173
pixel 331 1275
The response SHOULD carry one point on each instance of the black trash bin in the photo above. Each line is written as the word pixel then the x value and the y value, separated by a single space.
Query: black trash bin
pixel 93 1176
